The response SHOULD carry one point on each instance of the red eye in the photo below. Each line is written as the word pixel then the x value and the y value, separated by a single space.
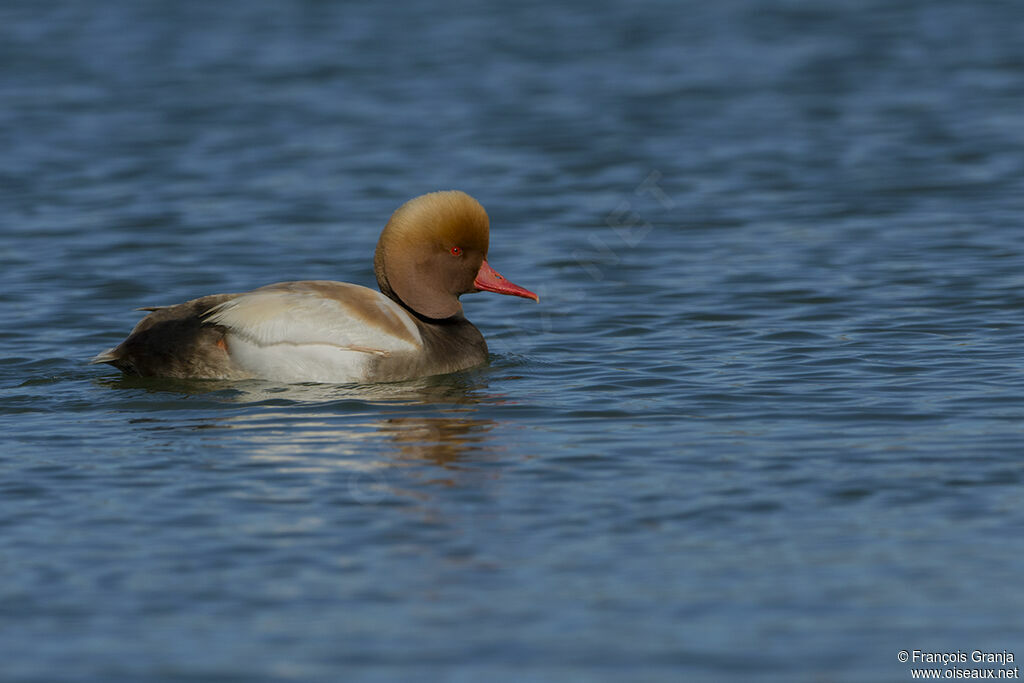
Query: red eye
pixel 456 251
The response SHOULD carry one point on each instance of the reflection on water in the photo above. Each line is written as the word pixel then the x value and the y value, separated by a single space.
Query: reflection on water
pixel 443 441
pixel 460 388
pixel 309 438
pixel 365 431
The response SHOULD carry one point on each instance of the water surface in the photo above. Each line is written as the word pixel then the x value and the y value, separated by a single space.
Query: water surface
pixel 765 422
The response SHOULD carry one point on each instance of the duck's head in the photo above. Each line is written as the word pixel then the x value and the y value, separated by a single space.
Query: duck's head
pixel 433 250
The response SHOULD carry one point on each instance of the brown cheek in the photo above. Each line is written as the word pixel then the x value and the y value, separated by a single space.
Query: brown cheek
pixel 472 267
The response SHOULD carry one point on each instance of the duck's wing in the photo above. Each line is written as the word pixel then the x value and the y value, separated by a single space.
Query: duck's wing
pixel 173 341
pixel 313 330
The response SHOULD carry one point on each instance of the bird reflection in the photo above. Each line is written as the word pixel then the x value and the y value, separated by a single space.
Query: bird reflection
pixel 455 388
pixel 366 432
pixel 443 441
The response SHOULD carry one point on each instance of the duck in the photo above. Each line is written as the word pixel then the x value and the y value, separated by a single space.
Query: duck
pixel 432 250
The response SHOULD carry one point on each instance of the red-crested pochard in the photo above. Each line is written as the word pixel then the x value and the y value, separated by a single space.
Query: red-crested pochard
pixel 432 250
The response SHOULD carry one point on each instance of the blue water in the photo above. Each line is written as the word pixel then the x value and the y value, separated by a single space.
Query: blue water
pixel 765 423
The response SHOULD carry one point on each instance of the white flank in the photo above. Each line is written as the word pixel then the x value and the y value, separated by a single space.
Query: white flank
pixel 296 334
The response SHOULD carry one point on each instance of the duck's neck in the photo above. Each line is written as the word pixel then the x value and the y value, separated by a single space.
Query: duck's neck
pixel 452 342
pixel 386 290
